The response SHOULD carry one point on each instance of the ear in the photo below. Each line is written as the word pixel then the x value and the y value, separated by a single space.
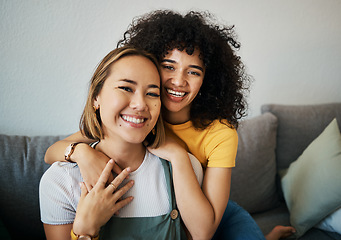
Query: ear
pixel 96 103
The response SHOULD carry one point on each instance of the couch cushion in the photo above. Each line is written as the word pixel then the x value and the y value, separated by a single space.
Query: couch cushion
pixel 21 167
pixel 280 216
pixel 253 179
pixel 3 231
pixel 269 219
pixel 317 234
pixel 298 126
pixel 312 183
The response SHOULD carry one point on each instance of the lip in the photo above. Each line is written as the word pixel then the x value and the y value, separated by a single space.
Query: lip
pixel 172 94
pixel 134 120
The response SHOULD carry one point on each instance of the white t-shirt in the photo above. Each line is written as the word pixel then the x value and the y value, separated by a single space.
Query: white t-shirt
pixel 59 191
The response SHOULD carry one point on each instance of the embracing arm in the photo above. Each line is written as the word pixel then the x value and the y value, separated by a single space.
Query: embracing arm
pixel 56 152
pixel 90 161
pixel 201 208
pixel 57 232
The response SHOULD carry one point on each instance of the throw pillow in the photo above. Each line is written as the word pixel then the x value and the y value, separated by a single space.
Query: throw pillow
pixel 331 223
pixel 312 184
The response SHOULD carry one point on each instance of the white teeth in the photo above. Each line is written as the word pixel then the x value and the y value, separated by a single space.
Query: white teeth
pixel 175 93
pixel 133 120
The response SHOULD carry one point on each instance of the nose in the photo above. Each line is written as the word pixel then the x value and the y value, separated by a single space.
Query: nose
pixel 138 102
pixel 179 79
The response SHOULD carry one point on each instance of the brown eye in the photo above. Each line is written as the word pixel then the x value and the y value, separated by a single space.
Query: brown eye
pixel 128 89
pixel 153 94
pixel 194 73
pixel 168 67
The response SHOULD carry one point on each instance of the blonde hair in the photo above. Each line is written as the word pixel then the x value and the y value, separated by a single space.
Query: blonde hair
pixel 90 122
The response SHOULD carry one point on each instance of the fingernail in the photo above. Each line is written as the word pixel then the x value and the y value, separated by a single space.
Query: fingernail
pixel 128 169
pixel 111 161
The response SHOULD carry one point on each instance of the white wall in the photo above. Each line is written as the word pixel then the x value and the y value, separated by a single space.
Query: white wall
pixel 49 49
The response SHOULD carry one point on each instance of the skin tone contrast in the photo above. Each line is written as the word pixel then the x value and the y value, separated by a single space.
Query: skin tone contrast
pixel 182 77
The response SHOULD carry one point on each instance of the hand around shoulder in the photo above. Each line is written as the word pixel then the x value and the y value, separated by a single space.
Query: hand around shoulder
pixel 170 150
pixel 91 164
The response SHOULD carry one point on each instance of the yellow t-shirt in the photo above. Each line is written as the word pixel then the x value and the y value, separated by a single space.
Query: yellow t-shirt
pixel 215 146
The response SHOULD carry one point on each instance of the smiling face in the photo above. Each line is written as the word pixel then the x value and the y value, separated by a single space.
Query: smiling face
pixel 129 101
pixel 182 76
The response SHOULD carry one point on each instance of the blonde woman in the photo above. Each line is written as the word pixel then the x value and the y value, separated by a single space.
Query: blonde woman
pixel 122 111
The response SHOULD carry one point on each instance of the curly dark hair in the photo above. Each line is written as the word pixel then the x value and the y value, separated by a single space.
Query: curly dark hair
pixel 222 94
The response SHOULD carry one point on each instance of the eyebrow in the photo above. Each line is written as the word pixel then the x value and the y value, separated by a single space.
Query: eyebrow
pixel 192 66
pixel 135 83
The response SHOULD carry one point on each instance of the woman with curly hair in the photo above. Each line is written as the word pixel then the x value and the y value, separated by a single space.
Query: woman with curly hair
pixel 203 97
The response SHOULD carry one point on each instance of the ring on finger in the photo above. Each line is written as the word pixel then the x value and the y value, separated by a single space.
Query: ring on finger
pixel 113 186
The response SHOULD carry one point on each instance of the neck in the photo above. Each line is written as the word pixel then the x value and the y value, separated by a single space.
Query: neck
pixel 124 154
pixel 175 117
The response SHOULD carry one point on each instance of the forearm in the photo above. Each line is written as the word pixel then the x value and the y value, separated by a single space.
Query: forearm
pixel 200 213
pixel 201 209
pixel 196 211
pixel 56 151
pixel 57 232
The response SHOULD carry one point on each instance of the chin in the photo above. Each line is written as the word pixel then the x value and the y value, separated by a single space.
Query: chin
pixel 133 139
pixel 171 107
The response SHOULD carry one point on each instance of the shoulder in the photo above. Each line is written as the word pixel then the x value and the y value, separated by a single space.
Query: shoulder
pixel 61 177
pixel 151 159
pixel 60 171
pixel 59 193
pixel 221 131
pixel 221 144
pixel 151 165
pixel 221 125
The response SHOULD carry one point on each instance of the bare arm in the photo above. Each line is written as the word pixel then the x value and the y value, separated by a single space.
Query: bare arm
pixel 56 152
pixel 201 209
pixel 57 232
pixel 90 161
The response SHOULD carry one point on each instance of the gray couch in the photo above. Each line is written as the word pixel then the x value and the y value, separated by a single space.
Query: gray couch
pixel 267 143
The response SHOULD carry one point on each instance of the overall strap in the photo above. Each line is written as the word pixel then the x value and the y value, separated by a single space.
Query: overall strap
pixel 167 167
pixel 164 227
pixel 174 214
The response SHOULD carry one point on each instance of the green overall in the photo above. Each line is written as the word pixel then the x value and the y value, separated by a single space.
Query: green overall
pixel 166 226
